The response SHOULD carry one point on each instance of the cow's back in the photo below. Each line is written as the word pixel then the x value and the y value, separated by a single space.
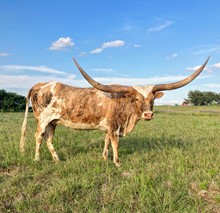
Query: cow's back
pixel 71 106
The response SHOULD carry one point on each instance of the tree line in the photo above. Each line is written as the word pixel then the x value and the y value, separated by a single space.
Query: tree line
pixel 11 102
pixel 198 98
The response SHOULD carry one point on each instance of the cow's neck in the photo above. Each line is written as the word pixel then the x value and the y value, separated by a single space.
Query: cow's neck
pixel 129 125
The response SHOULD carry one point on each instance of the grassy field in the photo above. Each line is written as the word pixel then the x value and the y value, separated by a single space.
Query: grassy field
pixel 170 164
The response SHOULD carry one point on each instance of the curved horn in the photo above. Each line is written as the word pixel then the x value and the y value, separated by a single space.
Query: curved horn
pixel 178 84
pixel 104 88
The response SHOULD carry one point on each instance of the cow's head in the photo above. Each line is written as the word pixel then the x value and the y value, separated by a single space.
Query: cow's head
pixel 143 96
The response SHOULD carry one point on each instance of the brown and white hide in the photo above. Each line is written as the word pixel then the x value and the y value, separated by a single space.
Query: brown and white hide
pixel 86 108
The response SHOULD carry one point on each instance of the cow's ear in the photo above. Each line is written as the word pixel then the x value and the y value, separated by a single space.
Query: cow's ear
pixel 158 94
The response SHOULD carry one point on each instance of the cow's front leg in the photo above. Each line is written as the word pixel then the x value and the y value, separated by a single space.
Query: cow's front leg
pixel 115 142
pixel 105 151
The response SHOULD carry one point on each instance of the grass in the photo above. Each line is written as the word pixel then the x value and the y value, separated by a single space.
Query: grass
pixel 170 164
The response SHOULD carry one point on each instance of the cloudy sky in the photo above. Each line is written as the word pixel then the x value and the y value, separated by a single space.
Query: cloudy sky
pixel 126 42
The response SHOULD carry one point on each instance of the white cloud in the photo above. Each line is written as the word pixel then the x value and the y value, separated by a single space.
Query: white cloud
pixel 4 54
pixel 213 85
pixel 116 43
pixel 98 50
pixel 43 69
pixel 109 44
pixel 215 66
pixel 161 102
pixel 174 55
pixel 82 54
pixel 205 50
pixel 137 45
pixel 22 83
pixel 127 27
pixel 160 27
pixel 62 43
pixel 103 70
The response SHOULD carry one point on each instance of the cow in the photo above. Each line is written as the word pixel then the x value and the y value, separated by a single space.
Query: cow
pixel 114 109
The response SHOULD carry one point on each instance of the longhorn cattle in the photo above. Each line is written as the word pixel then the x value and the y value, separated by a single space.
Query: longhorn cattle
pixel 114 109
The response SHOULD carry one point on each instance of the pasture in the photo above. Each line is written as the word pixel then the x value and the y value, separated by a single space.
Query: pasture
pixel 169 164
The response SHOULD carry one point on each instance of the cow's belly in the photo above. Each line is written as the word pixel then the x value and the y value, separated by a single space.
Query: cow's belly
pixel 102 125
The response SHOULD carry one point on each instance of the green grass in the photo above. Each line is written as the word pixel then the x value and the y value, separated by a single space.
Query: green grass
pixel 170 164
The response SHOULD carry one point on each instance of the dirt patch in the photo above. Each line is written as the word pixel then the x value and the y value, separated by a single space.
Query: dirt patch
pixel 211 196
pixel 10 171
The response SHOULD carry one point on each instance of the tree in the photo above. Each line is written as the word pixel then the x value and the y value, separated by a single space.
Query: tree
pixel 11 102
pixel 203 98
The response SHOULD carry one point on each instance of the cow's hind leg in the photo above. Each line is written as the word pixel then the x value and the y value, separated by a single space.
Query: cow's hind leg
pixel 49 139
pixel 39 136
pixel 105 151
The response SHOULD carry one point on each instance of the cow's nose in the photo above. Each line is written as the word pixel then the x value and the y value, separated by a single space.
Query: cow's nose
pixel 148 115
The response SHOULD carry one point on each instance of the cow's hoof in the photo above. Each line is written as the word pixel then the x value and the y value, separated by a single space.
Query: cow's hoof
pixel 118 164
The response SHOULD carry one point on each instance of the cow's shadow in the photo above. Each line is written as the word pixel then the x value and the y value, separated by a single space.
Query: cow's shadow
pixel 139 144
pixel 127 146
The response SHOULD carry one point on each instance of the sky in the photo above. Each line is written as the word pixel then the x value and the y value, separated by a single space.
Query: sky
pixel 125 42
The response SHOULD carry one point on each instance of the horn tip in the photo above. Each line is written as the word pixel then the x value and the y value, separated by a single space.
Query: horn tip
pixel 208 58
pixel 75 61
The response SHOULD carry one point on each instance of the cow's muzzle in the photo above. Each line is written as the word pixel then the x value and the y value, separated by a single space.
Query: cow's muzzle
pixel 148 115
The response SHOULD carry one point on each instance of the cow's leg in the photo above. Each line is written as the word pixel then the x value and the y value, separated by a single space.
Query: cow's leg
pixel 39 136
pixel 105 151
pixel 115 142
pixel 49 139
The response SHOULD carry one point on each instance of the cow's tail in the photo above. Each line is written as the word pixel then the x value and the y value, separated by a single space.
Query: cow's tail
pixel 24 125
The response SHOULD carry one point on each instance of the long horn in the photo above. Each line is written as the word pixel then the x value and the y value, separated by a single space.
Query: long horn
pixel 178 84
pixel 105 88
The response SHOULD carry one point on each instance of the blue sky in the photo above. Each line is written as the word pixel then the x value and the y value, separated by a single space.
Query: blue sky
pixel 126 42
